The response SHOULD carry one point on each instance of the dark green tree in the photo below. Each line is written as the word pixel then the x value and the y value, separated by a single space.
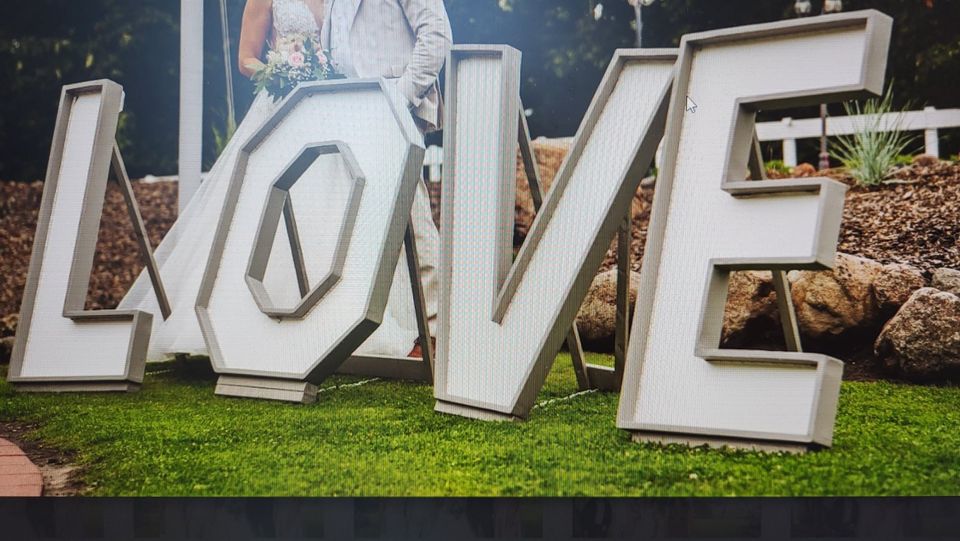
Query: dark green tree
pixel 45 44
pixel 566 46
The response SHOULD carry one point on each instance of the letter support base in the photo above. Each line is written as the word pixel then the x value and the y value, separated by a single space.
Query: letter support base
pixel 718 442
pixel 472 412
pixel 281 390
pixel 77 387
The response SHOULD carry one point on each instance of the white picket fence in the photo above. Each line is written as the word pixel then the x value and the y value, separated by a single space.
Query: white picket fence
pixel 788 130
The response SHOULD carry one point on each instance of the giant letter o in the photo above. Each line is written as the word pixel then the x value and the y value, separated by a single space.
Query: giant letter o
pixel 260 349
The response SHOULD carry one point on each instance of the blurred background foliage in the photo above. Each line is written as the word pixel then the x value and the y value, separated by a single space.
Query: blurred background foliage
pixel 566 46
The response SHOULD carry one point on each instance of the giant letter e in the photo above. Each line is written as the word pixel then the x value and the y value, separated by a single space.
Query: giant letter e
pixel 708 221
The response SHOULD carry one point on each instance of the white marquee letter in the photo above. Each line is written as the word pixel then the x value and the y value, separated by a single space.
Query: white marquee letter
pixel 708 221
pixel 59 345
pixel 344 141
pixel 502 324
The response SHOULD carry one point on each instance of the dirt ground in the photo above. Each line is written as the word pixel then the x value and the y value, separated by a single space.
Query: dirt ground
pixel 60 473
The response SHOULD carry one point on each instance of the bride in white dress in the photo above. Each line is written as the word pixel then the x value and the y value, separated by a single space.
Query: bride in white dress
pixel 182 255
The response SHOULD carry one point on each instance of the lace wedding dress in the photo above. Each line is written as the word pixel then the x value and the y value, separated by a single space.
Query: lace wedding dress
pixel 182 255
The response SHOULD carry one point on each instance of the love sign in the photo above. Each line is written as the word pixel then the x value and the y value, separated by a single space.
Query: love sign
pixel 276 334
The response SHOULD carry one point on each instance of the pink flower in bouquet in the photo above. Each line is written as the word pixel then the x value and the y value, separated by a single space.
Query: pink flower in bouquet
pixel 296 59
pixel 322 57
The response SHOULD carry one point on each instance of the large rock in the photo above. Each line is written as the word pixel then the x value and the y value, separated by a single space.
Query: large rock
pixel 946 280
pixel 922 341
pixel 858 295
pixel 894 284
pixel 597 318
pixel 751 313
pixel 830 303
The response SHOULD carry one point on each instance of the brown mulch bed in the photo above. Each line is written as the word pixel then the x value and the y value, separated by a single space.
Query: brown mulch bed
pixel 912 219
pixel 117 260
pixel 915 220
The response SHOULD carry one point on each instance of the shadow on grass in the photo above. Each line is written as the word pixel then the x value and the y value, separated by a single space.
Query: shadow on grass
pixel 184 368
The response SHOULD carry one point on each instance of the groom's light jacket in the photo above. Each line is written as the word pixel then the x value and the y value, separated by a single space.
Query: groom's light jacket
pixel 406 40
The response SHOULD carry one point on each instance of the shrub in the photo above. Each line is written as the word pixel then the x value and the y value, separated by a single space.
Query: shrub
pixel 871 152
pixel 903 159
pixel 777 166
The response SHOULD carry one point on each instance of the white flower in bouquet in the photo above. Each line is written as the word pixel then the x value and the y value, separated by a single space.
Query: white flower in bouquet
pixel 290 61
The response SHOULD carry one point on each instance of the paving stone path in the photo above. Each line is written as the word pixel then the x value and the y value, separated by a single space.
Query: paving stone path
pixel 18 476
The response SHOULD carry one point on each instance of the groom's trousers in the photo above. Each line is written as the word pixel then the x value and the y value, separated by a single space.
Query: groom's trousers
pixel 428 248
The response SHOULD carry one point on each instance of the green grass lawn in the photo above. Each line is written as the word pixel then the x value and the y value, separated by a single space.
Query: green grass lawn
pixel 175 437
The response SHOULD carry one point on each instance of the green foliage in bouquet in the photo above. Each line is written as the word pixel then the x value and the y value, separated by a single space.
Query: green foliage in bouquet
pixel 294 59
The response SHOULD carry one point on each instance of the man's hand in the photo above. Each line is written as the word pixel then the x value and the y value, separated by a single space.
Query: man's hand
pixel 411 107
pixel 429 21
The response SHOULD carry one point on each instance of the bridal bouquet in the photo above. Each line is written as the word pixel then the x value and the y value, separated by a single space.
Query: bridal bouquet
pixel 295 58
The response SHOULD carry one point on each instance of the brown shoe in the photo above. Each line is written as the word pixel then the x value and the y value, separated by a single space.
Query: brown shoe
pixel 417 351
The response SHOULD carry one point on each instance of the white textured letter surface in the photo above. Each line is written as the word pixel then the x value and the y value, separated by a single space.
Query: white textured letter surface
pixel 59 345
pixel 707 221
pixel 346 147
pixel 502 322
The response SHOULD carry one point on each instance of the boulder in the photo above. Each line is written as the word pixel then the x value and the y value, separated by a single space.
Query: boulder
pixel 894 285
pixel 858 295
pixel 597 318
pixel 946 280
pixel 830 303
pixel 922 341
pixel 751 312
